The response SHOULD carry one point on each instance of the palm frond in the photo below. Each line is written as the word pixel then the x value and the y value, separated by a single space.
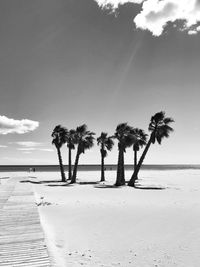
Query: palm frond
pixel 124 133
pixel 71 139
pixel 59 135
pixel 109 143
pixel 104 153
pixel 128 140
pixel 81 129
pixel 84 138
pixel 168 120
pixel 159 126
pixel 159 116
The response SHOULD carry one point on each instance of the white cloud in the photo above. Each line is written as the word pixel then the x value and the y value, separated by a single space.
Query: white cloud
pixel 28 144
pixel 46 149
pixel 8 125
pixel 198 28
pixel 192 32
pixel 2 146
pixel 115 3
pixel 156 14
pixel 35 149
pixel 26 148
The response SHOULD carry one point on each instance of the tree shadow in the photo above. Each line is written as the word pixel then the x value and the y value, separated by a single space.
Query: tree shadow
pixel 40 182
pixel 149 187
pixel 7 177
pixel 66 185
pixel 47 182
pixel 87 183
pixel 104 186
pixel 26 181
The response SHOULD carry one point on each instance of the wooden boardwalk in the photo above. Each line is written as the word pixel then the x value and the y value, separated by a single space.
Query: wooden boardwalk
pixel 22 242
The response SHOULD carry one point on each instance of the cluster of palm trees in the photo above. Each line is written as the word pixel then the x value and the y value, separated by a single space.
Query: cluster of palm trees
pixel 126 136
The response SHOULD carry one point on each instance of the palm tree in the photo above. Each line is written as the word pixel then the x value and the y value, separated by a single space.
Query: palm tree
pixel 70 140
pixel 125 137
pixel 84 140
pixel 58 135
pixel 159 128
pixel 106 144
pixel 141 140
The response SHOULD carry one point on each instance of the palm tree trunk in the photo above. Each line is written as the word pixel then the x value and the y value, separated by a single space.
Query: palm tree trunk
pixel 73 180
pixel 123 171
pixel 135 159
pixel 61 165
pixel 120 180
pixel 69 164
pixel 102 168
pixel 136 171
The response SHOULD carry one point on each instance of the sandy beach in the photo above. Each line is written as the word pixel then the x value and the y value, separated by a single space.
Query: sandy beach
pixel 98 225
pixel 94 87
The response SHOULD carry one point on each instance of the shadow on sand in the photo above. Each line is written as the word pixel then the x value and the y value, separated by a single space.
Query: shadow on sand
pixel 138 186
pixel 96 184
pixel 60 184
pixel 87 183
pixel 39 182
pixel 47 183
pixel 149 187
pixel 7 177
pixel 103 186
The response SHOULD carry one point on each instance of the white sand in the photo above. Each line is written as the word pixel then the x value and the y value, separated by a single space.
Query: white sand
pixel 89 226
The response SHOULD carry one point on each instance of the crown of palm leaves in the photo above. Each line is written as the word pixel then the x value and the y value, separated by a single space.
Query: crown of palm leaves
pixel 84 138
pixel 159 126
pixel 106 143
pixel 124 134
pixel 58 134
pixel 140 138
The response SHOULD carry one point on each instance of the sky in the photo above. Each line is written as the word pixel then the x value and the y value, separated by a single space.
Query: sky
pixel 101 63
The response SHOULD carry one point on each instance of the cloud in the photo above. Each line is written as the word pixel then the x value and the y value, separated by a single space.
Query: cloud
pixel 113 4
pixel 192 32
pixel 28 144
pixel 8 125
pixel 46 149
pixel 34 149
pixel 26 148
pixel 156 14
pixel 2 146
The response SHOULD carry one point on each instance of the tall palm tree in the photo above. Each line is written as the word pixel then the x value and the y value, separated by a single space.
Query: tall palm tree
pixel 140 141
pixel 125 137
pixel 106 144
pixel 70 140
pixel 84 140
pixel 58 135
pixel 159 128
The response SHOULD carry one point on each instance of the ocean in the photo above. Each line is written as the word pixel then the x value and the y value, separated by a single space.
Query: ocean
pixel 110 167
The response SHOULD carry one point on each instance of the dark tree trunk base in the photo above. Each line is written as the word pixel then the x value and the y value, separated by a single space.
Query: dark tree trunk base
pixel 132 181
pixel 119 184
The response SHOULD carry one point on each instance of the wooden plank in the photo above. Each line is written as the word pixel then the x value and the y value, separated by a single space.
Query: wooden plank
pixel 22 241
